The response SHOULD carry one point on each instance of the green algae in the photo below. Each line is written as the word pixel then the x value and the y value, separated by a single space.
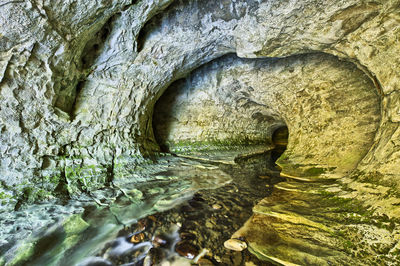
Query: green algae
pixel 315 171
pixel 75 225
pixel 211 145
pixel 24 252
pixel 85 178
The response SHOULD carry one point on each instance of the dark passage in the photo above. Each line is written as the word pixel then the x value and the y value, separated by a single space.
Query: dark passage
pixel 280 140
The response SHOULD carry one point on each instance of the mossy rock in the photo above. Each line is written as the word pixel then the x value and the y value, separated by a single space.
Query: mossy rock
pixel 24 252
pixel 74 225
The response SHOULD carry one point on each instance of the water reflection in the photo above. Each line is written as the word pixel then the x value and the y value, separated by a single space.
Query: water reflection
pixel 176 212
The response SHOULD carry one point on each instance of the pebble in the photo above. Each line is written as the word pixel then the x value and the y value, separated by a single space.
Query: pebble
pixel 153 218
pixel 187 250
pixel 216 206
pixel 147 260
pixel 142 224
pixel 209 225
pixel 137 238
pixel 235 244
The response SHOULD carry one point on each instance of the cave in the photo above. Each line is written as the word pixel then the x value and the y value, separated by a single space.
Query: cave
pixel 280 138
pixel 199 132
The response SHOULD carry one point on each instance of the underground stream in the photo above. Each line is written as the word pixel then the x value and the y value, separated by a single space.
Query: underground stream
pixel 182 217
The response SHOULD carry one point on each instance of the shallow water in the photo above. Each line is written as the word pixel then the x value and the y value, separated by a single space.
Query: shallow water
pixel 187 206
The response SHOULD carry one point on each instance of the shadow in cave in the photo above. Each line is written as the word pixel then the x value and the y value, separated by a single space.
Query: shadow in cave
pixel 279 139
pixel 162 123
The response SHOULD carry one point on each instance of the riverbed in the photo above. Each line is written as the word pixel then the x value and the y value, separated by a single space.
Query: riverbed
pixel 177 210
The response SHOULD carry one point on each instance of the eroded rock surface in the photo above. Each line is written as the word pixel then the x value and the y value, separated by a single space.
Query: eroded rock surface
pixel 79 81
pixel 332 120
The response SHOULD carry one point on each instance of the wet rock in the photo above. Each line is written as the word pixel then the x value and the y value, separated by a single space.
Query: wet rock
pixel 237 258
pixel 142 224
pixel 137 238
pixel 153 218
pixel 209 225
pixel 159 241
pixel 216 206
pixel 147 260
pixel 95 261
pixel 235 244
pixel 164 240
pixel 187 250
pixel 187 236
pixel 155 255
pixel 205 262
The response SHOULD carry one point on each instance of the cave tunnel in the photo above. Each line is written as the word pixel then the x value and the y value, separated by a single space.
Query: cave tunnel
pixel 226 90
pixel 243 102
pixel 280 139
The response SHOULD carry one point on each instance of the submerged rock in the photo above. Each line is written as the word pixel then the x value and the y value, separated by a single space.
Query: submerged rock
pixel 137 238
pixel 95 261
pixel 205 262
pixel 187 250
pixel 216 206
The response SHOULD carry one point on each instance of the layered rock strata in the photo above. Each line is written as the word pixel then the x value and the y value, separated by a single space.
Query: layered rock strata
pixel 332 120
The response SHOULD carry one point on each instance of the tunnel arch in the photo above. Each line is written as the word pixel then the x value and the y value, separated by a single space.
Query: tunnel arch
pixel 258 111
pixel 280 140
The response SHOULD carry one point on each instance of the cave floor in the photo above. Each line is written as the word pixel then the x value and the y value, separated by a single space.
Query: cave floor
pixel 205 198
pixel 180 209
pixel 199 225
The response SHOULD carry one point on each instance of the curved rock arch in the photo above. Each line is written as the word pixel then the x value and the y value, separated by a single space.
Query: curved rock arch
pixel 330 107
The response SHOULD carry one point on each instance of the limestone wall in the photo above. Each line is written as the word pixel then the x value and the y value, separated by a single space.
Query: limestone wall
pixel 330 107
pixel 79 80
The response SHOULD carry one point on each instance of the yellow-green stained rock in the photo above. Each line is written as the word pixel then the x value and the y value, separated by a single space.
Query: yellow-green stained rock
pixel 319 223
pixel 235 244
pixel 75 225
pixel 25 251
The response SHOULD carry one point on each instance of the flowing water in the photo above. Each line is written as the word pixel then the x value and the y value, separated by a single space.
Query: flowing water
pixel 177 211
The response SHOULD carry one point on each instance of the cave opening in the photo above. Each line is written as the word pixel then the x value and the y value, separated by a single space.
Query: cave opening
pixel 280 139
pixel 182 120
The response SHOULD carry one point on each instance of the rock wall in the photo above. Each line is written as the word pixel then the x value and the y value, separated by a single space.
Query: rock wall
pixel 332 120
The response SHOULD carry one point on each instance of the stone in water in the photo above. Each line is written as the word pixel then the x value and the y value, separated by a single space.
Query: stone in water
pixel 235 244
